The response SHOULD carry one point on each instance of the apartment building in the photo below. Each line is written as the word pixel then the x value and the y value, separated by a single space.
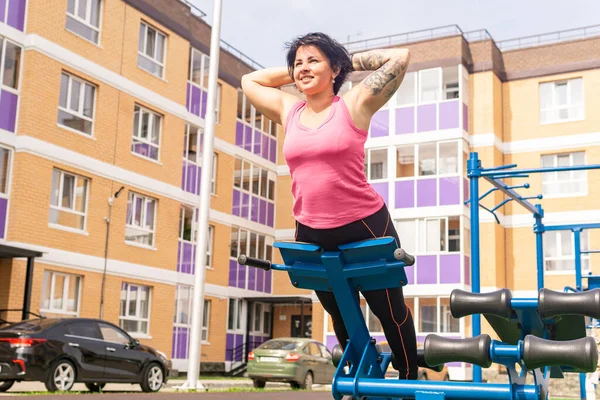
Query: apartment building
pixel 102 107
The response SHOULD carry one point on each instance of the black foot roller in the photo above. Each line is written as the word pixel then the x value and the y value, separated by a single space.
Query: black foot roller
pixel 439 350
pixel 581 354
pixel 552 303
pixel 496 303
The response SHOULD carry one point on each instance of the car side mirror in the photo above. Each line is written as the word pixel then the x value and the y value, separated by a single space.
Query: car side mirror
pixel 134 343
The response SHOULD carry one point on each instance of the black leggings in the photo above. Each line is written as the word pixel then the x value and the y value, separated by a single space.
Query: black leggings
pixel 388 305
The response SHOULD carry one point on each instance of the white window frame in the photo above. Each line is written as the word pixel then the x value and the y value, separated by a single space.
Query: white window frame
pixel 239 313
pixel 209 246
pixel 369 164
pixel 79 113
pixel 421 224
pixel 206 321
pixel 417 160
pixel 65 295
pixel 569 105
pixel 9 154
pixel 260 253
pixel 439 91
pixel 137 318
pixel 250 167
pixel 3 41
pixel 571 177
pixel 61 208
pixel 571 257
pixel 162 63
pixel 442 318
pixel 265 130
pixel 152 121
pixel 87 20
pixel 213 176
pixel 145 200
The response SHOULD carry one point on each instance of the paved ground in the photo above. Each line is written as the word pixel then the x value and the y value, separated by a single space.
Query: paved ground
pixel 266 395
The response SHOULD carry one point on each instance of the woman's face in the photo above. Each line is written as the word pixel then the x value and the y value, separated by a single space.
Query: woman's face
pixel 312 72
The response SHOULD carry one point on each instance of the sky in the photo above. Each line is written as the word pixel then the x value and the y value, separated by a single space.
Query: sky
pixel 260 28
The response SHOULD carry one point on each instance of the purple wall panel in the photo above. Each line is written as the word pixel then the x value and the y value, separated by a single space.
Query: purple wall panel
pixel 383 190
pixel 245 205
pixel 187 258
pixel 204 101
pixel 410 271
pixel 241 276
pixel 257 141
pixel 405 194
pixel 182 343
pixel 179 244
pixel 254 209
pixel 16 14
pixel 271 214
pixel 426 118
pixel 465 117
pixel 239 339
pixel 183 175
pixel 264 144
pixel 251 278
pixel 235 207
pixel 449 191
pixel 466 190
pixel 3 214
pixel 232 273
pixel 450 268
pixel 380 124
pixel 247 137
pixel 195 106
pixel 187 92
pixel 273 151
pixel 262 212
pixel 405 120
pixel 191 181
pixel 193 260
pixel 174 336
pixel 239 134
pixel 260 280
pixel 426 269
pixel 229 345
pixel 467 267
pixel 426 192
pixel 449 115
pixel 268 281
pixel 8 110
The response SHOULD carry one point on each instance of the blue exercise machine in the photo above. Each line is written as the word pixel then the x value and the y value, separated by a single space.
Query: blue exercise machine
pixel 542 335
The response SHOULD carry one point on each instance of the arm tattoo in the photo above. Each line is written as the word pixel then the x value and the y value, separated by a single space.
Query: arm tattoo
pixel 387 78
pixel 369 60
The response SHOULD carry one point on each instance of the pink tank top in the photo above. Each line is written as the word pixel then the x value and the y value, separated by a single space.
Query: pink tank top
pixel 326 164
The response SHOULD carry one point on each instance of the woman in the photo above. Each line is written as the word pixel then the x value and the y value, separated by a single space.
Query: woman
pixel 324 149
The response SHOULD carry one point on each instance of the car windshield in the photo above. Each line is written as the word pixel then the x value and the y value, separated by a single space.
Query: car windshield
pixel 280 345
pixel 31 326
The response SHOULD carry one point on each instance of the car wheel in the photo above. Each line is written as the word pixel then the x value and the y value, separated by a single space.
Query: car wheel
pixel 258 384
pixel 152 378
pixel 95 387
pixel 61 377
pixel 5 385
pixel 308 381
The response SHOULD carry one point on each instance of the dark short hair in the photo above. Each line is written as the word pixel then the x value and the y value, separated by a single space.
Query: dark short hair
pixel 336 54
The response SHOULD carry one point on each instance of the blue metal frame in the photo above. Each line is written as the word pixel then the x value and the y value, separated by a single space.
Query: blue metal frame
pixel 369 265
pixel 494 176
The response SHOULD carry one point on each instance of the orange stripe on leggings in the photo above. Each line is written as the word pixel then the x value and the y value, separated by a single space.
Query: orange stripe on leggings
pixel 399 333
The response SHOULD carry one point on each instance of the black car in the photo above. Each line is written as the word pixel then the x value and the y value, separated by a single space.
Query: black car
pixel 60 352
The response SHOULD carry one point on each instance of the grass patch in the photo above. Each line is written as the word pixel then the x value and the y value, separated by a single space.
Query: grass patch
pixel 211 378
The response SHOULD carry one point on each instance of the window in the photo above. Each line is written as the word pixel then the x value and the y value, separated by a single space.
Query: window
pixel 5 155
pixel 376 164
pixel 83 19
pixel 184 302
pixel 141 219
pixel 151 50
pixel 193 152
pixel 561 101
pixel 559 251
pixel 251 244
pixel 113 335
pixel 428 317
pixel 146 133
pixel 406 92
pixel 76 104
pixel 234 321
pixel 209 245
pixel 68 200
pixel 213 176
pixel 429 85
pixel 254 179
pixel 134 315
pixel 187 224
pixel 60 294
pixel 84 330
pixel 427 159
pixel 564 183
pixel 260 142
pixel 10 64
pixel 447 321
pixel 430 235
